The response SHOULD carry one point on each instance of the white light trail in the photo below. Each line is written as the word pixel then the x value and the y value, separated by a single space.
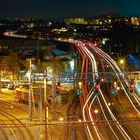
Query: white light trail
pixel 126 136
pixel 94 67
pixel 114 65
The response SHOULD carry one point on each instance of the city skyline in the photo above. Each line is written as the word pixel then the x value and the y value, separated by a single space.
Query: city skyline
pixel 62 8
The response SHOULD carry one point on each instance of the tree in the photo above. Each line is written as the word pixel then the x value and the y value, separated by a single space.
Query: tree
pixel 13 65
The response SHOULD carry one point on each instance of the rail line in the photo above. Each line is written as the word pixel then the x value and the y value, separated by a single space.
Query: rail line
pixel 8 115
pixel 4 133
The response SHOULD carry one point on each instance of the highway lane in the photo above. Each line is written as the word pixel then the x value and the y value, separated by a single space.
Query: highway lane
pixel 94 68
pixel 87 101
pixel 97 131
pixel 84 96
pixel 85 90
pixel 114 66
pixel 121 129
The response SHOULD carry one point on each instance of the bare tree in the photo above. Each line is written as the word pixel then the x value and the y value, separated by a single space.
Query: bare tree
pixel 14 64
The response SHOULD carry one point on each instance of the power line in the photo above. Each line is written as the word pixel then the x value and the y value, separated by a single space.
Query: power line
pixel 97 123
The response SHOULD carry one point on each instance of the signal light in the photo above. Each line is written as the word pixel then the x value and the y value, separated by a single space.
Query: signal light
pixel 115 84
pixel 131 87
pixel 79 92
pixel 118 88
pixel 58 88
pixel 97 86
pixel 115 88
pixel 79 88
pixel 95 44
pixel 114 91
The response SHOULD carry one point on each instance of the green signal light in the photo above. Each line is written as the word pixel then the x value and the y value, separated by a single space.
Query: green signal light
pixel 114 91
pixel 79 92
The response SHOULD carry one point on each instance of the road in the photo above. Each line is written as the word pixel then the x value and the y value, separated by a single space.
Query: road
pixel 114 111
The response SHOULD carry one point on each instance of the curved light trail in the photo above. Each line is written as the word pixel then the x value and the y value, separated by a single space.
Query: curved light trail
pixel 94 66
pixel 91 96
pixel 114 65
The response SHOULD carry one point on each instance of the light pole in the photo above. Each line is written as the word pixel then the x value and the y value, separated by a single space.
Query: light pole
pixel 96 111
pixel 122 63
pixel 30 90
pixel 45 105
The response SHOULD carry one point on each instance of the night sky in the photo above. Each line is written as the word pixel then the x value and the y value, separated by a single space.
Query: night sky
pixel 67 8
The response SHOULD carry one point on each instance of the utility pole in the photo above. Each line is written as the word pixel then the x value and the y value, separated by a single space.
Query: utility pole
pixel 30 91
pixel 45 106
pixel 40 113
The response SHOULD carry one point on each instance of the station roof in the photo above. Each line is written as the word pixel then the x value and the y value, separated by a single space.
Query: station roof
pixel 58 52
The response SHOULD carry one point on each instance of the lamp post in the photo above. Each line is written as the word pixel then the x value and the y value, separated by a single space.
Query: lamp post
pixel 122 61
pixel 30 90
pixel 96 111
pixel 122 64
pixel 45 105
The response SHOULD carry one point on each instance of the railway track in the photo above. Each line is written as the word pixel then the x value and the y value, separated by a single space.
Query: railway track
pixel 4 134
pixel 23 136
pixel 14 105
pixel 72 115
pixel 23 131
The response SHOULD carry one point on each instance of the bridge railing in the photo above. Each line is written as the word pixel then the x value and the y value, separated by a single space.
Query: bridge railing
pixel 93 76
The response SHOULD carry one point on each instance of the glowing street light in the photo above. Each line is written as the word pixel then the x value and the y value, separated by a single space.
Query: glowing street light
pixel 79 120
pixel 96 111
pixel 61 119
pixel 109 104
pixel 80 84
pixel 121 61
pixel 102 80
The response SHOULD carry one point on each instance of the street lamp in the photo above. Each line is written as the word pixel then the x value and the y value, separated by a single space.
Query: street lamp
pixel 123 60
pixel 61 119
pixel 109 104
pixel 30 88
pixel 45 102
pixel 96 111
pixel 122 63
pixel 45 105
pixel 50 70
pixel 79 120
